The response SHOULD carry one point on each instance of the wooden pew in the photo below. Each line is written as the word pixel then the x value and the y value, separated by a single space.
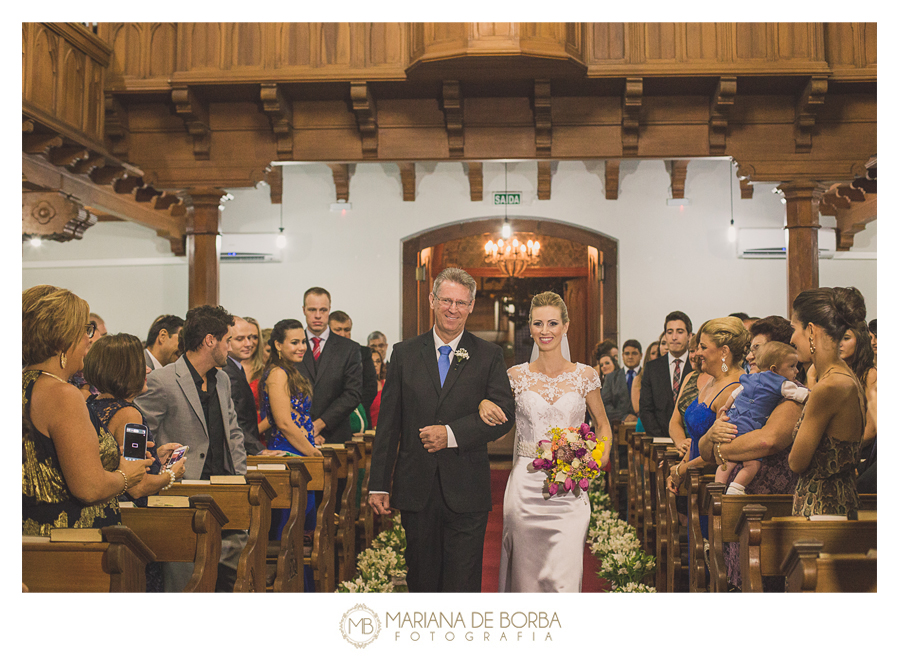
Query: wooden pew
pixel 323 477
pixel 765 545
pixel 181 534
pixel 724 511
pixel 635 480
pixel 697 481
pixel 365 523
pixel 115 564
pixel 652 449
pixel 618 470
pixel 349 456
pixel 677 558
pixel 808 569
pixel 290 486
pixel 248 507
pixel 662 516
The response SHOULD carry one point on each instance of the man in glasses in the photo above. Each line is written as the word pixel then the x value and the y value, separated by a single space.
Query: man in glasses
pixel 430 457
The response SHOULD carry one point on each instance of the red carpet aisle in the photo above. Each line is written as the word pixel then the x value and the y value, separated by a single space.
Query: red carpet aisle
pixel 491 561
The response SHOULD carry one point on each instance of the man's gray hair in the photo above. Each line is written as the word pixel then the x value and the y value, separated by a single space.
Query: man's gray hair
pixel 456 275
pixel 374 335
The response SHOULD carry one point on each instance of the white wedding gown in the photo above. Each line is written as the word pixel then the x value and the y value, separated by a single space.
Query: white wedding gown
pixel 543 538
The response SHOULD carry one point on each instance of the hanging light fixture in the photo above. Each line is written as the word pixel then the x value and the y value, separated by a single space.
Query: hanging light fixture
pixel 732 231
pixel 510 254
pixel 281 240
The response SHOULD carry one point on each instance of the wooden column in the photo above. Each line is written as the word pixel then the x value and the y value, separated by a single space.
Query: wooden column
pixel 803 238
pixel 202 246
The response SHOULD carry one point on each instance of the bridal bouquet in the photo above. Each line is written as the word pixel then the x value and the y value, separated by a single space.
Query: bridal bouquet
pixel 571 458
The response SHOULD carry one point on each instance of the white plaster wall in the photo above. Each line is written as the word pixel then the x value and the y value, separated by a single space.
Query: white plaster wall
pixel 669 257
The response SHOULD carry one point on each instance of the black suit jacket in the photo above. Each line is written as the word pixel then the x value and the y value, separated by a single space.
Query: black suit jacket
pixel 657 398
pixel 412 398
pixel 336 379
pixel 369 381
pixel 244 407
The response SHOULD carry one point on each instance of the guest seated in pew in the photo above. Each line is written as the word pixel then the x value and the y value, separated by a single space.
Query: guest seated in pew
pixel 380 370
pixel 856 349
pixel 651 354
pixel 72 469
pixel 757 396
pixel 827 440
pixel 285 397
pixel 689 391
pixel 115 367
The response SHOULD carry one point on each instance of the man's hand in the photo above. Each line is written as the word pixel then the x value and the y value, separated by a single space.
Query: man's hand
pixel 318 426
pixel 434 437
pixel 380 503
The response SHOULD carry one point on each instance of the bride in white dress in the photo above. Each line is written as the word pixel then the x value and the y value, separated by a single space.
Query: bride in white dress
pixel 544 536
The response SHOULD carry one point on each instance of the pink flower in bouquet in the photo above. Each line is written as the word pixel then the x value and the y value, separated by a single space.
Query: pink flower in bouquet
pixel 569 485
pixel 553 488
pixel 584 484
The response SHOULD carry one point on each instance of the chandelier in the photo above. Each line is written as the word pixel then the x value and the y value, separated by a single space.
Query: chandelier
pixel 511 256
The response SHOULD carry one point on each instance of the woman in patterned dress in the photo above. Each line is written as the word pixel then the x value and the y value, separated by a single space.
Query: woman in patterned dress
pixel 828 436
pixel 72 471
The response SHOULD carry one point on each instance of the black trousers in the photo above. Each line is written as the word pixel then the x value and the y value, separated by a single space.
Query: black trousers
pixel 443 548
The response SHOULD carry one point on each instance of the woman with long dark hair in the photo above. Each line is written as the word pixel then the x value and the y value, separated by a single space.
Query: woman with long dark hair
pixel 285 397
pixel 827 438
pixel 856 348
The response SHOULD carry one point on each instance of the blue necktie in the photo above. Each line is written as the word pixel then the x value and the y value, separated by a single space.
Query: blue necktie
pixel 444 362
pixel 630 378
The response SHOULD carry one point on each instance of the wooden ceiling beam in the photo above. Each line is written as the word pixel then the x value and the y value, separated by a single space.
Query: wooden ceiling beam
pixel 612 179
pixel 452 105
pixel 195 115
pixel 363 104
pixel 475 173
pixel 543 124
pixel 408 180
pixel 544 177
pixel 678 176
pixel 278 107
pixel 808 106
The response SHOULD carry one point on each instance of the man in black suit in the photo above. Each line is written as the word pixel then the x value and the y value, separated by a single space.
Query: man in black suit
pixel 662 377
pixel 431 444
pixel 240 348
pixel 341 324
pixel 333 366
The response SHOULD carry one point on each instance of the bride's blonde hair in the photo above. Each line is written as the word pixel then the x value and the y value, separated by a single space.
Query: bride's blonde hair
pixel 549 299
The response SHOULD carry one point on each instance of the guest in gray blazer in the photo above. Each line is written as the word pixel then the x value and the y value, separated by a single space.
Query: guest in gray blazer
pixel 614 390
pixel 161 347
pixel 189 402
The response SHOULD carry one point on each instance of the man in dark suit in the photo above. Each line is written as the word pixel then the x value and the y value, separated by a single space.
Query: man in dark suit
pixel 333 366
pixel 161 347
pixel 341 324
pixel 240 347
pixel 662 377
pixel 430 457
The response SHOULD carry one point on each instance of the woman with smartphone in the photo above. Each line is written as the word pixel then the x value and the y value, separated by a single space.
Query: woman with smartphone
pixel 72 470
pixel 115 367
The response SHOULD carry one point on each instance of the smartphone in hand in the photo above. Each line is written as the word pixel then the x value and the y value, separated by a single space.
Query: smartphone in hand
pixel 177 454
pixel 135 442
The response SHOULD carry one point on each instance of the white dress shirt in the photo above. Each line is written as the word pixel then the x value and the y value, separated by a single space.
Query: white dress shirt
pixel 156 363
pixel 322 338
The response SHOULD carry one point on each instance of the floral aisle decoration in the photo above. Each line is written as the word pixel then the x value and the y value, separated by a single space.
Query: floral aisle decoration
pixel 381 568
pixel 570 458
pixel 615 544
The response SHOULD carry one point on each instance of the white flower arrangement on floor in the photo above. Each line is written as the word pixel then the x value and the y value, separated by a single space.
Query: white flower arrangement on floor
pixel 381 568
pixel 615 543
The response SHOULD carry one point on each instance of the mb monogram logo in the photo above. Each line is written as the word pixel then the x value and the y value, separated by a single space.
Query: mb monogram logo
pixel 360 626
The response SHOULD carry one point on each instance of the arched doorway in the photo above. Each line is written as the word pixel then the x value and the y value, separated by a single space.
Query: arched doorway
pixel 583 266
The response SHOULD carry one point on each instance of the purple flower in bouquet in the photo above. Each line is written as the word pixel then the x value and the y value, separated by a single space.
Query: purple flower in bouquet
pixel 541 464
pixel 581 452
pixel 554 487
pixel 584 484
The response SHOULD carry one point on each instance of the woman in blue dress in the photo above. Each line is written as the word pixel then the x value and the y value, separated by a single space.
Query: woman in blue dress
pixel 284 398
pixel 722 346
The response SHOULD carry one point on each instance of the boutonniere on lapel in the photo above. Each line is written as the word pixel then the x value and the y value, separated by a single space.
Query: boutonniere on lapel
pixel 461 355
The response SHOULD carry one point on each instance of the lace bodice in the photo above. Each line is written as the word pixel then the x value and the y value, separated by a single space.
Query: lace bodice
pixel 543 402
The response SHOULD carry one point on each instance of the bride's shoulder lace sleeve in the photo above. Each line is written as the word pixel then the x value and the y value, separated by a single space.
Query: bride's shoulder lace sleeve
pixel 590 380
pixel 516 376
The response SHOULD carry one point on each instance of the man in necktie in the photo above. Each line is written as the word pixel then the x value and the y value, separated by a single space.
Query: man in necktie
pixel 631 359
pixel 662 377
pixel 333 366
pixel 430 459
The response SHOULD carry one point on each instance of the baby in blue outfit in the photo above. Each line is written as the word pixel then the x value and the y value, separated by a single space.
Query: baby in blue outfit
pixel 756 398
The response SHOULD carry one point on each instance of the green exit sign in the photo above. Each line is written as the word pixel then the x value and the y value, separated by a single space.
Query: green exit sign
pixel 507 198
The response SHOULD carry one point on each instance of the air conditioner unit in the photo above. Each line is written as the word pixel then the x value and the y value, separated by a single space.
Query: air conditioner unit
pixel 249 248
pixel 772 243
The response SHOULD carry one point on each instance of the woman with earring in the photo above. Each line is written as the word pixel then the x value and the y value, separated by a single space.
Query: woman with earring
pixel 721 348
pixel 285 397
pixel 543 534
pixel 72 470
pixel 828 436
